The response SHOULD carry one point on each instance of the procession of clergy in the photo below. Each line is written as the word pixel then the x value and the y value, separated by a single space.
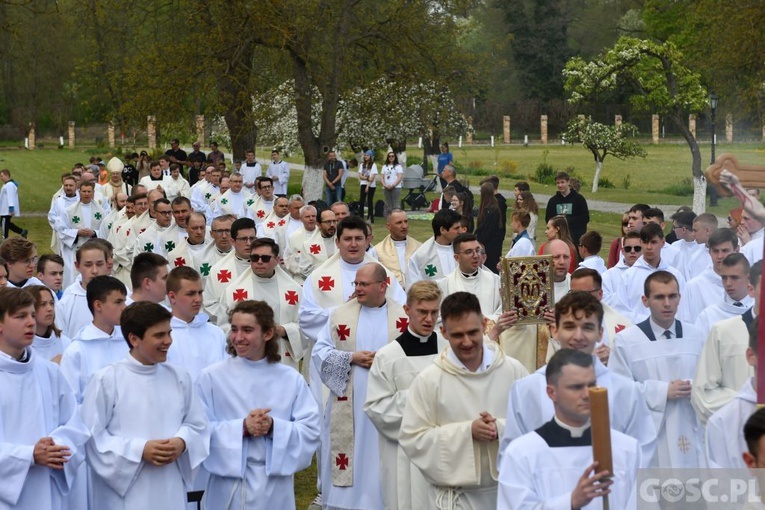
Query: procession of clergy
pixel 209 344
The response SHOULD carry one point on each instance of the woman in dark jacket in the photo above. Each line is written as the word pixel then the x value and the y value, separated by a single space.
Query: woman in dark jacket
pixel 490 226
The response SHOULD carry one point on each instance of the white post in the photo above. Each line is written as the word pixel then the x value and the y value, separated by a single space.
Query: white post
pixel 460 142
pixel 525 139
pixel 61 141
pixel 26 143
pixel 492 140
pixel 419 143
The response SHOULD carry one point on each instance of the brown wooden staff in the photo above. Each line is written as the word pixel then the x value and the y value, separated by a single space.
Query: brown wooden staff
pixel 601 433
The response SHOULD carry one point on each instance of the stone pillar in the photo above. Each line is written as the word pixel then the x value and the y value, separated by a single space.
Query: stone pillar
pixel 71 134
pixel 729 127
pixel 469 135
pixel 618 121
pixel 543 128
pixel 692 124
pixel 151 130
pixel 200 123
pixel 655 128
pixel 763 129
pixel 112 144
pixel 506 127
pixel 31 136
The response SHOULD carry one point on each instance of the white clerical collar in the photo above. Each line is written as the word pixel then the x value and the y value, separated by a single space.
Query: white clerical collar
pixel 400 243
pixel 474 274
pixel 575 431
pixel 422 339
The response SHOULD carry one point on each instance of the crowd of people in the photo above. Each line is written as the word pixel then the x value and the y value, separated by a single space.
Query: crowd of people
pixel 197 341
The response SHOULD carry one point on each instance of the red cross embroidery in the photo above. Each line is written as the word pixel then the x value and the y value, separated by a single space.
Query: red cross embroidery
pixel 180 262
pixel 261 213
pixel 291 297
pixel 343 332
pixel 224 275
pixel 270 224
pixel 326 283
pixel 141 231
pixel 281 223
pixel 619 327
pixel 287 353
pixel 240 295
pixel 342 461
pixel 342 399
pixel 118 229
pixel 315 249
pixel 402 323
pixel 127 234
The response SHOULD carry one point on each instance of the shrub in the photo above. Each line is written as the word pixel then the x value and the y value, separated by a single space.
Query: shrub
pixel 626 182
pixel 604 182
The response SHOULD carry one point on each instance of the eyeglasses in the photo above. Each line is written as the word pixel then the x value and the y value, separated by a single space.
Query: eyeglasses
pixel 364 285
pixel 636 249
pixel 248 239
pixel 329 222
pixel 258 258
pixel 677 227
pixel 30 262
pixel 471 252
pixel 222 231
pixel 164 213
pixel 267 186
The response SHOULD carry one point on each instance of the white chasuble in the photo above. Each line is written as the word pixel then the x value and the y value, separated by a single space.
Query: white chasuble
pixel 282 294
pixel 270 224
pixel 442 403
pixel 427 263
pixel 654 363
pixel 256 472
pixel 483 284
pixel 350 455
pixel 389 256
pixel 722 368
pixel 36 402
pixel 122 419
pixel 257 209
pixel 225 271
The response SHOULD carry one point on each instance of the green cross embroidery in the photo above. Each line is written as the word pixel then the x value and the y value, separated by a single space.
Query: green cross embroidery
pixel 75 219
pixel 98 215
pixel 205 269
pixel 250 202
pixel 208 195
pixel 109 226
pixel 169 246
pixel 431 270
pixel 148 247
pixel 224 201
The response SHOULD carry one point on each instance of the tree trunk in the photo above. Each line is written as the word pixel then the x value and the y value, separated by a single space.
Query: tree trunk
pixel 699 181
pixel 596 179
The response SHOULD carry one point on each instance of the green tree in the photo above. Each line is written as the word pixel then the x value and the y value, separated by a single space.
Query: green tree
pixel 656 79
pixel 603 140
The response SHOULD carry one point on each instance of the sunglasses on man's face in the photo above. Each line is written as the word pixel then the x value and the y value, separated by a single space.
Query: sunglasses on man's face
pixel 258 258
pixel 637 249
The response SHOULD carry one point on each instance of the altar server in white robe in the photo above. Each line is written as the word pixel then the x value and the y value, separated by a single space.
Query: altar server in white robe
pixel 279 172
pixel 250 170
pixel 522 245
pixel 350 476
pixel 724 432
pixel 612 279
pixel 72 312
pixel 395 367
pixel 267 281
pixel 197 343
pixel 652 240
pixel 265 424
pixel 435 258
pixel 468 277
pixel 661 353
pixel 706 288
pixel 736 299
pixel 41 435
pixel 80 222
pixel 578 325
pixel 685 247
pixel 723 368
pixel 453 417
pixel 704 225
pixel 49 343
pixel 20 260
pixel 589 246
pixel 149 428
pixel 398 246
pixel 229 268
pixel 543 468
pixel 590 280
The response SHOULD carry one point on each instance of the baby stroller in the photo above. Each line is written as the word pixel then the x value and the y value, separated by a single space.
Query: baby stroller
pixel 418 184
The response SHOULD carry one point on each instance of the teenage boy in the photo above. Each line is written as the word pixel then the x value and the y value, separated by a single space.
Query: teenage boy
pixel 149 428
pixel 21 260
pixel 9 205
pixel 523 246
pixel 72 314
pixel 589 248
pixel 50 271
pixel 149 278
pixel 42 436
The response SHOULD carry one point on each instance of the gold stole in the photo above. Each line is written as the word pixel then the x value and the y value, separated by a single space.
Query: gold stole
pixel 343 325
pixel 388 256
